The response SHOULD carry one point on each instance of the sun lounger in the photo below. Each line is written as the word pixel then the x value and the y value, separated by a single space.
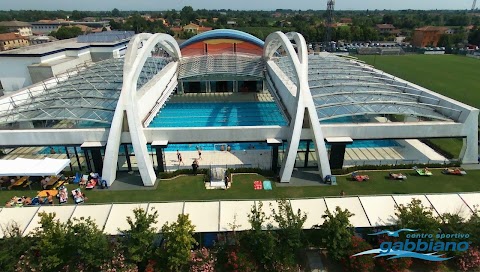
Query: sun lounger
pixel 62 195
pixel 359 178
pixel 257 185
pixel 76 198
pixel 91 184
pixel 454 171
pixel 267 185
pixel 399 176
pixel 422 171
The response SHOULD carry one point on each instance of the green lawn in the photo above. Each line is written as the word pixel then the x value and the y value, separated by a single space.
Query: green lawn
pixel 454 76
pixel 452 146
pixel 192 188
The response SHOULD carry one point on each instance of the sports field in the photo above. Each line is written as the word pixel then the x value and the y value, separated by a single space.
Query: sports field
pixel 454 76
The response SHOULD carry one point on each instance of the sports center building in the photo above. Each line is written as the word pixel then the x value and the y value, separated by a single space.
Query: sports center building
pixel 270 103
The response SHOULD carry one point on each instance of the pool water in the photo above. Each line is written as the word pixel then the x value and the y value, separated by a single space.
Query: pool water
pixel 219 115
pixel 217 147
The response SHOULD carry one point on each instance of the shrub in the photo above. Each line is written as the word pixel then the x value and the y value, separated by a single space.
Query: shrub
pixel 169 175
pixel 469 260
pixel 230 258
pixel 265 173
pixel 364 263
pixel 202 261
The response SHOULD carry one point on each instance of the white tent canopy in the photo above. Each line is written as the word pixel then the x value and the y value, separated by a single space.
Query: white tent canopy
pixel 30 167
pixel 220 216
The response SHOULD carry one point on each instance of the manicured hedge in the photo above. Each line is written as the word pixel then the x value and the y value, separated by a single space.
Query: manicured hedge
pixel 265 173
pixel 168 175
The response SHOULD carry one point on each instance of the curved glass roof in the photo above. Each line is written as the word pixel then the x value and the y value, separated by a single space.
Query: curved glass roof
pixel 223 34
pixel 340 87
pixel 87 96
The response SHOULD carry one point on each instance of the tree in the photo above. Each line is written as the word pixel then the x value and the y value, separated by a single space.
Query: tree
pixel 188 15
pixel 388 19
pixel 3 29
pixel 418 217
pixel 115 12
pixel 445 41
pixel 290 233
pixel 67 32
pixel 48 252
pixel 337 232
pixel 473 228
pixel 12 246
pixel 474 37
pixel 86 243
pixel 260 243
pixel 179 241
pixel 89 242
pixel 78 15
pixel 138 240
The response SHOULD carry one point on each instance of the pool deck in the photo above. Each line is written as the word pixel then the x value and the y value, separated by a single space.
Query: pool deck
pixel 409 151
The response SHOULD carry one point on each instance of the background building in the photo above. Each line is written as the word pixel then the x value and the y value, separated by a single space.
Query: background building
pixel 28 65
pixel 21 28
pixel 428 35
pixel 10 41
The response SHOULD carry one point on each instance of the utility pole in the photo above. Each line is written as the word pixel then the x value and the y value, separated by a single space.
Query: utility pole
pixel 328 32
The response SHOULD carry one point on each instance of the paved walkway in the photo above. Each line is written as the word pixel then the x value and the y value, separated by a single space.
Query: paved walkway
pixel 314 261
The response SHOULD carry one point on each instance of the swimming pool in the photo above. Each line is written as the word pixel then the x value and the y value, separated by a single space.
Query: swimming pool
pixel 172 147
pixel 219 115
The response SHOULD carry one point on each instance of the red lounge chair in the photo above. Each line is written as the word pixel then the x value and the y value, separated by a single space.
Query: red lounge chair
pixel 91 184
pixel 359 178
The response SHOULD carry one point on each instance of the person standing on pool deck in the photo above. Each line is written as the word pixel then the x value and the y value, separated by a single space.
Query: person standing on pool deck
pixel 179 157
pixel 199 153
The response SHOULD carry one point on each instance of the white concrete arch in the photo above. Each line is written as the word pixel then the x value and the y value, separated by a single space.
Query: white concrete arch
pixel 304 102
pixel 139 49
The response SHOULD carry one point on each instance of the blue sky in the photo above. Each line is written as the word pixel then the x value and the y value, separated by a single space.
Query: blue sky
pixel 229 4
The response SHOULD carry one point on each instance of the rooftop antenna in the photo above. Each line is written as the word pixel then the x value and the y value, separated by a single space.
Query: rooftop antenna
pixel 328 34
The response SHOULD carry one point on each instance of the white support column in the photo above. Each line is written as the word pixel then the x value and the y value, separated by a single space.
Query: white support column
pixel 129 104
pixel 180 89
pixel 304 102
pixel 469 153
pixel 209 87
pixel 235 86
pixel 293 143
